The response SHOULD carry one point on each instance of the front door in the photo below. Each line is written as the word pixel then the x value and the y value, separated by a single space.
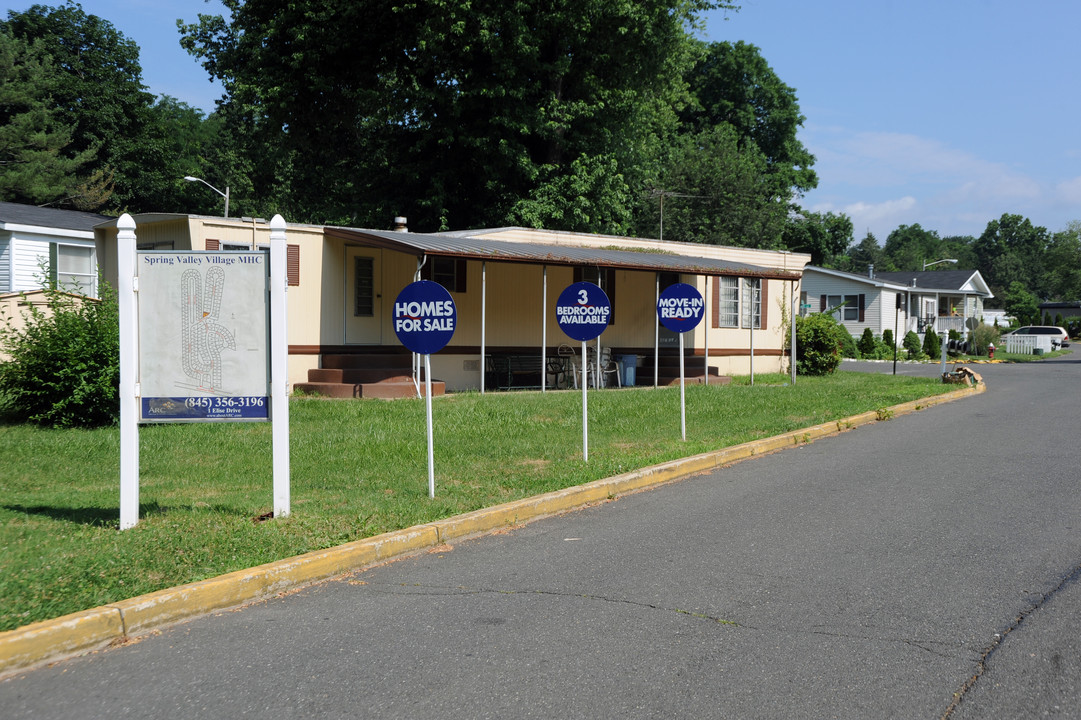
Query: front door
pixel 363 296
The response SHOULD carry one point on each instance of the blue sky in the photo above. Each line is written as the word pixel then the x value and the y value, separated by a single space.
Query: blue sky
pixel 945 113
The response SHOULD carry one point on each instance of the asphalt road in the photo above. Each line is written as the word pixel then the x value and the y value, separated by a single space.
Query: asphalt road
pixel 923 567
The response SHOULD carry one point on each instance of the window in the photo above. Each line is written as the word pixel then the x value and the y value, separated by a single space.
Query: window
pixel 74 267
pixel 364 287
pixel 725 302
pixel 752 304
pixel 448 272
pixel 852 310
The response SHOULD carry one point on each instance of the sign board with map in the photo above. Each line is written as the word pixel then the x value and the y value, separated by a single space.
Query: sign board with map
pixel 203 337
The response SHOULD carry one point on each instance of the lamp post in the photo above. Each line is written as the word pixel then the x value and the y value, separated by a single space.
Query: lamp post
pixel 936 262
pixel 225 194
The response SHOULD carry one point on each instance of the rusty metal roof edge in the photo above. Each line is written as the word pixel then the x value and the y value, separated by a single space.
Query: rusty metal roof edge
pixel 464 246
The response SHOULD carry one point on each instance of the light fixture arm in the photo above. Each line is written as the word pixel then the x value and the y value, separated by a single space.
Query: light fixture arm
pixel 225 194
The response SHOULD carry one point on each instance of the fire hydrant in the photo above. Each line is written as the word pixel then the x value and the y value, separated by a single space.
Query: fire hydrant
pixel 991 351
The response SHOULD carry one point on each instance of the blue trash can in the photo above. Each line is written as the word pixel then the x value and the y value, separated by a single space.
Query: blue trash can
pixel 627 366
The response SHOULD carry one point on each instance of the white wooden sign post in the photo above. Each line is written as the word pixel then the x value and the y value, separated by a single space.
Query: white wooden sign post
pixel 199 342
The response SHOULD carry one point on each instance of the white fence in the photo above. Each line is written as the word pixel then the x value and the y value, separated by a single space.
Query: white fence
pixel 1026 344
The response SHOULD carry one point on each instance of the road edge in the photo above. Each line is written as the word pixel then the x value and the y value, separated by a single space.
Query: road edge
pixel 116 623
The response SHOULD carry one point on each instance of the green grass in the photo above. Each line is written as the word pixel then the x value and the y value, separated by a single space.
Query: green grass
pixel 359 468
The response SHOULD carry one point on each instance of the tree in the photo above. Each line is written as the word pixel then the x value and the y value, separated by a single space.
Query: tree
pixel 96 90
pixel 1020 303
pixel 823 235
pixel 858 258
pixel 454 113
pixel 1011 249
pixel 1062 261
pixel 910 246
pixel 732 84
pixel 35 167
pixel 721 198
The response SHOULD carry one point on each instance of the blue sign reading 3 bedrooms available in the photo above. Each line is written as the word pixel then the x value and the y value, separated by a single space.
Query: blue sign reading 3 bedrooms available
pixel 582 311
pixel 424 317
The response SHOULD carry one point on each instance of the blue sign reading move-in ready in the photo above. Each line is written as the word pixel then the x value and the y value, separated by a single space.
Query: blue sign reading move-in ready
pixel 582 311
pixel 680 307
pixel 424 317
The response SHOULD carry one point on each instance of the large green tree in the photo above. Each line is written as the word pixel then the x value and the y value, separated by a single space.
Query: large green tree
pixel 823 235
pixel 36 166
pixel 733 84
pixel 1012 249
pixel 456 113
pixel 96 90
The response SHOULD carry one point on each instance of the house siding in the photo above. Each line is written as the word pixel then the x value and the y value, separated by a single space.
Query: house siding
pixel 5 264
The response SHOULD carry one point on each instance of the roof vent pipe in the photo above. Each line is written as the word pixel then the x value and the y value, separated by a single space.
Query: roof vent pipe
pixel 913 282
pixel 400 224
pixel 871 271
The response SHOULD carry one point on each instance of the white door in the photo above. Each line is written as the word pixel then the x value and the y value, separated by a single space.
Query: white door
pixel 363 296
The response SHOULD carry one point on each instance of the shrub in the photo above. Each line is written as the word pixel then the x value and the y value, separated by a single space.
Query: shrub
pixel 932 346
pixel 64 366
pixel 818 344
pixel 867 343
pixel 983 336
pixel 848 343
pixel 912 345
pixel 887 338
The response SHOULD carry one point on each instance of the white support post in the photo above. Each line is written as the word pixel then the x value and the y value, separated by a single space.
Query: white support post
pixel 657 331
pixel 279 365
pixel 544 328
pixel 483 322
pixel 127 282
pixel 792 332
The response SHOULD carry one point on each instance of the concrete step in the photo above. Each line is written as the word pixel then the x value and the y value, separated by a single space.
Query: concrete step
pixel 367 360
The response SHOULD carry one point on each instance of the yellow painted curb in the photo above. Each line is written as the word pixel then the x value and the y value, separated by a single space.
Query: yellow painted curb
pixel 81 632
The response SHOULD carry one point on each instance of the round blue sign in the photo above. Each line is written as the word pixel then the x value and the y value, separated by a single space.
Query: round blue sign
pixel 582 311
pixel 681 307
pixel 424 317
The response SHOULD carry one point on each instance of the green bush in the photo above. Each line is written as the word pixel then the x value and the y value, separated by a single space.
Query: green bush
pixel 932 346
pixel 983 336
pixel 818 344
pixel 867 343
pixel 64 365
pixel 887 338
pixel 912 345
pixel 848 343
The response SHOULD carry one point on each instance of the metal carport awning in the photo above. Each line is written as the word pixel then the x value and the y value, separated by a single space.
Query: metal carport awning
pixel 485 250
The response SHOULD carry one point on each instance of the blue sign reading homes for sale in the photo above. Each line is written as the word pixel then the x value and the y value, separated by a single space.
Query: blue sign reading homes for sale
pixel 424 317
pixel 680 307
pixel 582 311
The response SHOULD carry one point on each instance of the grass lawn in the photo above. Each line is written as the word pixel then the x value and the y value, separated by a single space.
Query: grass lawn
pixel 359 468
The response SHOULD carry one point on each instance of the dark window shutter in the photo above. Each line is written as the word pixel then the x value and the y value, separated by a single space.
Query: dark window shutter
pixel 763 297
pixel 863 299
pixel 822 304
pixel 212 244
pixel 292 264
pixel 459 275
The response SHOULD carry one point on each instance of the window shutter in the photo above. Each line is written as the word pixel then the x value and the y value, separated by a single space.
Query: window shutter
pixel 863 299
pixel 54 263
pixel 459 275
pixel 822 304
pixel 292 264
pixel 212 244
pixel 763 297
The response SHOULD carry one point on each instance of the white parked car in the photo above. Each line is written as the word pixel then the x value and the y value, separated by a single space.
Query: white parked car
pixel 1059 335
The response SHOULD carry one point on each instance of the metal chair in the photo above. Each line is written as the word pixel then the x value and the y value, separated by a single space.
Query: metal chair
pixel 573 366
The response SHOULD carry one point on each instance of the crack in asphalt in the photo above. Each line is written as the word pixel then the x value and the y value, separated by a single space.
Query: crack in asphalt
pixel 1000 637
pixel 925 645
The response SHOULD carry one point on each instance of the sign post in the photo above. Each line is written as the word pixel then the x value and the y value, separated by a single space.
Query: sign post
pixel 582 312
pixel 424 321
pixel 197 346
pixel 680 308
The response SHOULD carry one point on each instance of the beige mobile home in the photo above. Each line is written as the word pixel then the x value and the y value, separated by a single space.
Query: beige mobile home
pixel 504 282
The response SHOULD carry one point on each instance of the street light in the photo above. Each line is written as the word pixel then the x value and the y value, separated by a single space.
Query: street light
pixel 936 262
pixel 225 194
